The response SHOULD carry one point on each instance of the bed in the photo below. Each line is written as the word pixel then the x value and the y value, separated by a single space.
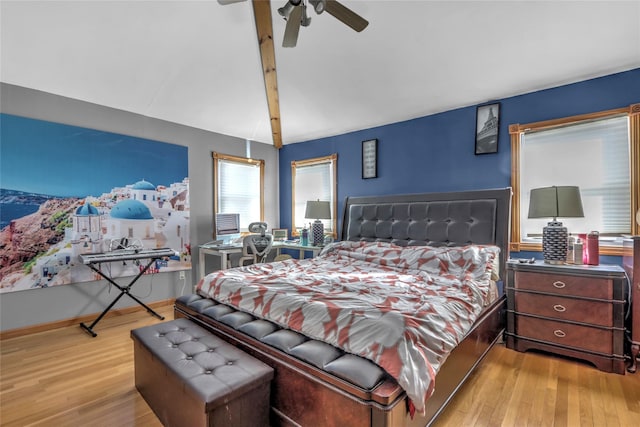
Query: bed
pixel 347 348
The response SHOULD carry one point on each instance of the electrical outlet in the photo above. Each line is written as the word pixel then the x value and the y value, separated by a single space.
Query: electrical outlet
pixel 182 275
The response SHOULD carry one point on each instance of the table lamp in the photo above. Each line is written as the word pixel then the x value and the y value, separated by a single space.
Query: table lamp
pixel 317 210
pixel 554 202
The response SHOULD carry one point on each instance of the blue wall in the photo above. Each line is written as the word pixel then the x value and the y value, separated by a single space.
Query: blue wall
pixel 436 153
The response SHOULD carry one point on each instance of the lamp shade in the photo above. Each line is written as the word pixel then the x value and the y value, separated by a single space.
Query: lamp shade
pixel 556 201
pixel 318 210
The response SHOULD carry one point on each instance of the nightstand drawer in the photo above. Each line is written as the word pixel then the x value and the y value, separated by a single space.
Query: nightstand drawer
pixel 577 310
pixel 566 334
pixel 561 284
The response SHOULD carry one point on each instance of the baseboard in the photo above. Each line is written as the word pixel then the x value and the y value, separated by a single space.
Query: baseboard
pixel 42 327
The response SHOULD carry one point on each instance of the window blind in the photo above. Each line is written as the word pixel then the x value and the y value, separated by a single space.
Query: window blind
pixel 313 182
pixel 592 155
pixel 239 190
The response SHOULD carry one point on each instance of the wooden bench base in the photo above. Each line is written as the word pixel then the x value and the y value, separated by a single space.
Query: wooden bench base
pixel 189 377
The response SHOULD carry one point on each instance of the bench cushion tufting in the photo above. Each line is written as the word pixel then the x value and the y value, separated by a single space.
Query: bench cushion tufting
pixel 354 369
pixel 179 364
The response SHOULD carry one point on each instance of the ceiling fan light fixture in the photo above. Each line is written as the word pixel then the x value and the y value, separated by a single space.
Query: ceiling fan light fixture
pixel 285 11
pixel 318 5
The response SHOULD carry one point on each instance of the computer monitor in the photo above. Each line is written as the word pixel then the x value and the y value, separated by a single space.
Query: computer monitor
pixel 227 226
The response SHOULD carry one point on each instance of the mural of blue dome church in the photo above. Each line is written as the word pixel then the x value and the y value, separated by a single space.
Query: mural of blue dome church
pixel 132 219
pixel 144 191
pixel 131 209
pixel 87 210
pixel 86 230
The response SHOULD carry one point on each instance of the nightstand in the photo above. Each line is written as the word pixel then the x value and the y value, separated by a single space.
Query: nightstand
pixel 572 310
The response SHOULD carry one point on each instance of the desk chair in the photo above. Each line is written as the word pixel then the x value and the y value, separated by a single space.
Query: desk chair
pixel 256 247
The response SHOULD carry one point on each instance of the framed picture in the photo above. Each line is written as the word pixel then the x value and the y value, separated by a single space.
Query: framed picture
pixel 370 158
pixel 487 125
pixel 279 234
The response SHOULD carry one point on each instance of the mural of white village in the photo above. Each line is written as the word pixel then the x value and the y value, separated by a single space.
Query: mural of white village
pixel 41 249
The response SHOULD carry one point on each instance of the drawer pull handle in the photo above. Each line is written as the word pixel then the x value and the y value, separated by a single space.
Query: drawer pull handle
pixel 559 308
pixel 558 284
pixel 559 333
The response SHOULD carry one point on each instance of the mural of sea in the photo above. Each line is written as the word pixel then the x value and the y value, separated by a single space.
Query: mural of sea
pixel 16 204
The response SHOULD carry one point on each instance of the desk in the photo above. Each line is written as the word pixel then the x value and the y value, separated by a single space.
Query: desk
pixel 226 250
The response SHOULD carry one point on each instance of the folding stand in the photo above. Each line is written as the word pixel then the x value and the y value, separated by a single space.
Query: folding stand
pixel 124 290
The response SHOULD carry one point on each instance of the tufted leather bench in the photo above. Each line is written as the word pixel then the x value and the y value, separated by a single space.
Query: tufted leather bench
pixel 190 377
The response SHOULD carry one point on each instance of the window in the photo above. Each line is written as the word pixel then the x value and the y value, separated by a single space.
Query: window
pixel 313 179
pixel 239 188
pixel 597 152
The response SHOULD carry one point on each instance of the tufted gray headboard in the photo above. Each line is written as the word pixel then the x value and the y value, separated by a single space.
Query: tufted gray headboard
pixel 436 219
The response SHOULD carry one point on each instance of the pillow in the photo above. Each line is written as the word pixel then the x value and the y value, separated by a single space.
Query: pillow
pixel 495 268
pixel 481 261
pixel 476 261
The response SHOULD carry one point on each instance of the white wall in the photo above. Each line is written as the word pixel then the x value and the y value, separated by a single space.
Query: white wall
pixel 32 307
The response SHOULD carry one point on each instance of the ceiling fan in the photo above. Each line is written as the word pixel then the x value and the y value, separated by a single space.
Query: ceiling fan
pixel 295 13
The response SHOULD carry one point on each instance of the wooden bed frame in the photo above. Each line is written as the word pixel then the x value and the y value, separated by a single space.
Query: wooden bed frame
pixel 303 395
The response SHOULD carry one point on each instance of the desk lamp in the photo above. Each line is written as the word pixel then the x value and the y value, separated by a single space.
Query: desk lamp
pixel 556 201
pixel 318 210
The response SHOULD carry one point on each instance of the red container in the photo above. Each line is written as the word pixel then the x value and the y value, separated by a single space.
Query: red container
pixel 592 247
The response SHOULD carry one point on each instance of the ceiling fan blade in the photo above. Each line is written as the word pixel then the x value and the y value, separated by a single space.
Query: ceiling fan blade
pixel 223 2
pixel 346 15
pixel 293 27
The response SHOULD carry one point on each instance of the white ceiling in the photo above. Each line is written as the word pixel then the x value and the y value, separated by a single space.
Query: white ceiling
pixel 197 62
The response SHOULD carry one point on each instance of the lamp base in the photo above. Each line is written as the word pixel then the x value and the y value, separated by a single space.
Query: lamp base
pixel 317 233
pixel 554 243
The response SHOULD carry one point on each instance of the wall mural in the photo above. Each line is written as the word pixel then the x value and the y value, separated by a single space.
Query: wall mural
pixel 66 191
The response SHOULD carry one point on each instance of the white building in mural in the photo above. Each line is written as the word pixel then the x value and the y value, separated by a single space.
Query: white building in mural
pixel 144 191
pixel 178 195
pixel 86 231
pixel 131 220
pixel 176 232
pixel 52 270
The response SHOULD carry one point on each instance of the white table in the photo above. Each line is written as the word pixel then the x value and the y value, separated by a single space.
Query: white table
pixel 226 250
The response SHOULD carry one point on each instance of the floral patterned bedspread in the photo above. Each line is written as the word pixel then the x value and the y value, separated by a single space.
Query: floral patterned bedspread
pixel 404 308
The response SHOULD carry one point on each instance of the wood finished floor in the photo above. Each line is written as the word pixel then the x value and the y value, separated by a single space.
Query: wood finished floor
pixel 66 378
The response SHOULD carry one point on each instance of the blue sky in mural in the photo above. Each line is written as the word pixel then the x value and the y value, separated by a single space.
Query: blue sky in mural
pixel 61 160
